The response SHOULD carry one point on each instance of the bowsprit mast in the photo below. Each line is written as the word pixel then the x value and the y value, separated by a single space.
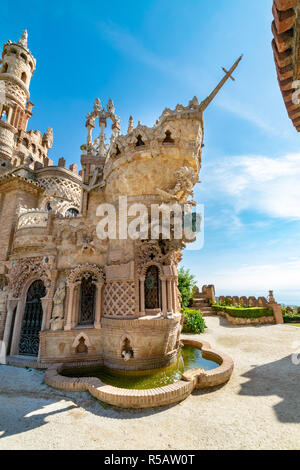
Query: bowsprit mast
pixel 67 294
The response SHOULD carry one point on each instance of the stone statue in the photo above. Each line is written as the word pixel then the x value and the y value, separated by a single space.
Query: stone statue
pixel 271 297
pixel 57 320
pixel 24 39
pixel 3 299
pixel 185 181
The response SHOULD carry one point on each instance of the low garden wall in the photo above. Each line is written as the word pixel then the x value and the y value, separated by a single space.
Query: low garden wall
pixel 246 316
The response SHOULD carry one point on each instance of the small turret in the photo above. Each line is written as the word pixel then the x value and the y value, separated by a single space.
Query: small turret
pixel 16 70
pixel 18 64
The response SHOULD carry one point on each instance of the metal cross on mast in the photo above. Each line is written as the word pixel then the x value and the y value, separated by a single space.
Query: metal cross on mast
pixel 228 74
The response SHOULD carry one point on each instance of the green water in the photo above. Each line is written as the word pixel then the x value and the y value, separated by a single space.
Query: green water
pixel 188 358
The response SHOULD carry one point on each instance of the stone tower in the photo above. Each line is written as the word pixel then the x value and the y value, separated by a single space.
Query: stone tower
pixel 17 68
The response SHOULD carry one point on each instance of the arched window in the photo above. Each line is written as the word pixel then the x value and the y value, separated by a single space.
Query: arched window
pixel 23 56
pixel 25 142
pixel 72 212
pixel 24 77
pixel 32 320
pixel 4 113
pixel 152 288
pixel 87 301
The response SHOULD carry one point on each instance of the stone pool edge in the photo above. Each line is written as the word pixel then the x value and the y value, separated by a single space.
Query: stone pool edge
pixel 166 395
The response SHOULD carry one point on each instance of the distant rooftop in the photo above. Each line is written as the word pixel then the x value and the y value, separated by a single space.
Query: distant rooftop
pixel 286 29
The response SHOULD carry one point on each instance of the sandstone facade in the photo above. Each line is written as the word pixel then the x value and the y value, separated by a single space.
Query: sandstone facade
pixel 72 296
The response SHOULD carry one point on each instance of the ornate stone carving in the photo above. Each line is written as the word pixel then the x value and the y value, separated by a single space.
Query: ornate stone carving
pixel 21 271
pixel 119 299
pixel 32 218
pixel 86 270
pixel 185 181
pixel 160 251
pixel 3 300
pixel 99 147
pixel 60 193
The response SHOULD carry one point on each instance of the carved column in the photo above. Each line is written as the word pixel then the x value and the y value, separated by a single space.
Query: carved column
pixel 164 296
pixel 142 296
pixel 11 305
pixel 17 326
pixel 68 325
pixel 98 309
pixel 174 303
pixel 75 309
pixel 169 284
pixel 46 305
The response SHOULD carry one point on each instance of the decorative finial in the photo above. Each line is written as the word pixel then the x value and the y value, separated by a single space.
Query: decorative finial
pixel 130 125
pixel 24 39
pixel 228 74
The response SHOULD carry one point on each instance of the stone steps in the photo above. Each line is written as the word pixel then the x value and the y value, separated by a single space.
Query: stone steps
pixel 24 361
pixel 205 309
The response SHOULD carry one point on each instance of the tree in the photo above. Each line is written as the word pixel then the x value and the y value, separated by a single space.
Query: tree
pixel 186 285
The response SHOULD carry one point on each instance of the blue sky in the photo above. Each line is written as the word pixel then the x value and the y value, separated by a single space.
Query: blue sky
pixel 147 55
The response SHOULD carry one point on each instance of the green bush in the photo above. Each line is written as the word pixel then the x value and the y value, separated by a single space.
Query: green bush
pixel 193 321
pixel 254 312
pixel 186 286
pixel 291 318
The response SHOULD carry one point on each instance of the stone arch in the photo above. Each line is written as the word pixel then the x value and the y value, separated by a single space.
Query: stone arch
pixel 82 338
pixel 32 319
pixel 82 270
pixel 24 77
pixel 71 212
pixel 123 338
pixel 23 56
pixel 74 282
pixel 127 347
pixel 145 267
pixel 152 288
pixel 23 272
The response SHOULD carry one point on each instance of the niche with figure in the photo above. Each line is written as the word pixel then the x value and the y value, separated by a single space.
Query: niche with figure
pixel 126 350
pixel 81 347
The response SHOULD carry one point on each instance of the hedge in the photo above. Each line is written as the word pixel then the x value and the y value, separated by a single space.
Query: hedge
pixel 291 318
pixel 253 312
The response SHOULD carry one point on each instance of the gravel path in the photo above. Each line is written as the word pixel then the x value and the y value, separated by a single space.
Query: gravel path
pixel 258 409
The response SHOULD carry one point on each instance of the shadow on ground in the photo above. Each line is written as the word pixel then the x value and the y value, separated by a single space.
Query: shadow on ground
pixel 280 378
pixel 20 413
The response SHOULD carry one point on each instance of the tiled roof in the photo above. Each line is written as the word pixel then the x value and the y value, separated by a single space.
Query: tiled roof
pixel 286 29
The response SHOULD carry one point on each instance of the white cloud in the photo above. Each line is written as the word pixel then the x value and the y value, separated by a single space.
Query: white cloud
pixel 268 185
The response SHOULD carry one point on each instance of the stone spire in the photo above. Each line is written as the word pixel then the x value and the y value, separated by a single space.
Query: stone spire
pixel 130 125
pixel 24 39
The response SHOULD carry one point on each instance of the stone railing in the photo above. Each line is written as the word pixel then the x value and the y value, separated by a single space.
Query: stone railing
pixel 33 218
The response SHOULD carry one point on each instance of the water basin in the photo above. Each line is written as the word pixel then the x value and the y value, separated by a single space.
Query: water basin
pixel 188 358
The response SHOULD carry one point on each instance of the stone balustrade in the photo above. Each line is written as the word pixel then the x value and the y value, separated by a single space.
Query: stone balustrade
pixel 34 218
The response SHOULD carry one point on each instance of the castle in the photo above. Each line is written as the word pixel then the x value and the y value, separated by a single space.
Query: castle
pixel 66 294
